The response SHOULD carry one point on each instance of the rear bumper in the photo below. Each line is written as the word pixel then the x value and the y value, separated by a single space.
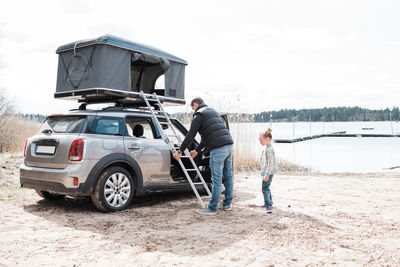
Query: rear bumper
pixel 58 180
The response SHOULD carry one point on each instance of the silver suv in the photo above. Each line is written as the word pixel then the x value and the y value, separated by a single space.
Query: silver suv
pixel 110 155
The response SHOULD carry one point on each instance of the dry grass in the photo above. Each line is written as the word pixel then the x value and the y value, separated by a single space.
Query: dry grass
pixel 247 151
pixel 14 130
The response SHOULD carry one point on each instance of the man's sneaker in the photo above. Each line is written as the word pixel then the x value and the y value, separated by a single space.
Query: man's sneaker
pixel 226 208
pixel 269 209
pixel 206 211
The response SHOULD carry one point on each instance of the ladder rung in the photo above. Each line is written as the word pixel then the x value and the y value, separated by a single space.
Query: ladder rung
pixel 190 170
pixel 164 122
pixel 198 183
pixel 205 197
pixel 184 156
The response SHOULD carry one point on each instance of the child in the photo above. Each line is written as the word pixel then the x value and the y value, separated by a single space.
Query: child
pixel 268 167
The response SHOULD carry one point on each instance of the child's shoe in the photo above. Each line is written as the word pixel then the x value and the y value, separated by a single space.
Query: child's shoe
pixel 227 208
pixel 269 209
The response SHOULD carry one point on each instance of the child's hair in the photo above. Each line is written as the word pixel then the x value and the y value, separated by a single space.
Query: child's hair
pixel 267 133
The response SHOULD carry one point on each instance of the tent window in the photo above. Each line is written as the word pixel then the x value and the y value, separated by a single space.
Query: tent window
pixel 76 68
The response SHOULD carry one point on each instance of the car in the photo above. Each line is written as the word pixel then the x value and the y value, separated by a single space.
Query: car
pixel 112 155
pixel 125 149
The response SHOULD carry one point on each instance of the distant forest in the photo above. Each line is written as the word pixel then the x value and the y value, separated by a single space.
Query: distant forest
pixel 329 114
pixel 33 117
pixel 290 115
pixel 317 114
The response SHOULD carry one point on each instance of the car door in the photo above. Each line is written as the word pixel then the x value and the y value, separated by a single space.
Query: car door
pixel 152 154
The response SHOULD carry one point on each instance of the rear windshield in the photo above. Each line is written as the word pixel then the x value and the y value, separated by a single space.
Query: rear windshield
pixel 64 124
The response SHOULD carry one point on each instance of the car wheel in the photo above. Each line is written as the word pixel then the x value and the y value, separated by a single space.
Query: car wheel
pixel 49 196
pixel 113 190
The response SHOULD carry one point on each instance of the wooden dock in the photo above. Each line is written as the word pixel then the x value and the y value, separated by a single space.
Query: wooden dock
pixel 334 134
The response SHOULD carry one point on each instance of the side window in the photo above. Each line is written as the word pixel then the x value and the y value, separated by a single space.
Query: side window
pixel 169 131
pixel 140 128
pixel 106 125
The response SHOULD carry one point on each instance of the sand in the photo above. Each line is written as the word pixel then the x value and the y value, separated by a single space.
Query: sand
pixel 317 220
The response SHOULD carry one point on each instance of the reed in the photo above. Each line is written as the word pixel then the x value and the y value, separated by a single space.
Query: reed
pixel 14 130
pixel 247 151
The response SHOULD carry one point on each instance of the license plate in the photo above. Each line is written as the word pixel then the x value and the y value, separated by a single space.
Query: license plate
pixel 45 150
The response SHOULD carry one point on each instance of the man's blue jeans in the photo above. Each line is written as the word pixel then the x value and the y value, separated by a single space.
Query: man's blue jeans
pixel 267 192
pixel 221 166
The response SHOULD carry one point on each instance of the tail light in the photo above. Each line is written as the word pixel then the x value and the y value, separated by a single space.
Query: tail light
pixel 76 150
pixel 26 143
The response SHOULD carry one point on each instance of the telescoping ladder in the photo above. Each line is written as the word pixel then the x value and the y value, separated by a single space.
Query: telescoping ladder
pixel 185 154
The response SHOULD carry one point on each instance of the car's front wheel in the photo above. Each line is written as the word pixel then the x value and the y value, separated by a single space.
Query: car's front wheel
pixel 113 190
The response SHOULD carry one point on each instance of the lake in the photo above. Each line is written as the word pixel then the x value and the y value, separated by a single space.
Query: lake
pixel 329 154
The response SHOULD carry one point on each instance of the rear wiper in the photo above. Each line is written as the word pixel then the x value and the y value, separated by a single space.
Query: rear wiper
pixel 47 131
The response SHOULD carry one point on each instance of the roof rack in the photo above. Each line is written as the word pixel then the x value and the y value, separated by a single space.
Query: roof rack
pixel 129 108
pixel 120 98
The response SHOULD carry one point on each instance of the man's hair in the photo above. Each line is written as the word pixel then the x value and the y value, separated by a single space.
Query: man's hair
pixel 197 100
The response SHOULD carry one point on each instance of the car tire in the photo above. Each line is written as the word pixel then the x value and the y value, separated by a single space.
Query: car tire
pixel 113 190
pixel 49 196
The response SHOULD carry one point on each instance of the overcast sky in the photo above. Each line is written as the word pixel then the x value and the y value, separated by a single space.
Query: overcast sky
pixel 244 56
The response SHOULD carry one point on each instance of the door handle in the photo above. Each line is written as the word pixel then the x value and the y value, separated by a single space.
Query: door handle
pixel 134 146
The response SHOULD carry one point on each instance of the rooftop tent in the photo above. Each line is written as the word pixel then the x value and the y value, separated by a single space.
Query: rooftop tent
pixel 110 63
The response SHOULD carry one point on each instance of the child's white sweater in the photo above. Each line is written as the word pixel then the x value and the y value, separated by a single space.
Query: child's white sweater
pixel 268 161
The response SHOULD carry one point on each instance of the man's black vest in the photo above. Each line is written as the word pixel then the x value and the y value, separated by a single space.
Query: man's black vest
pixel 213 130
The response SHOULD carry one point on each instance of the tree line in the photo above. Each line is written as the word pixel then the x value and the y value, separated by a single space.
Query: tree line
pixel 34 117
pixel 329 114
pixel 316 114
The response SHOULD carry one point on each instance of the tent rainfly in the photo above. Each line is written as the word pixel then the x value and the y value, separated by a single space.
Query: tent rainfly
pixel 116 64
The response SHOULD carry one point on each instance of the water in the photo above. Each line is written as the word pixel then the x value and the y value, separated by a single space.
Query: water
pixel 285 129
pixel 330 154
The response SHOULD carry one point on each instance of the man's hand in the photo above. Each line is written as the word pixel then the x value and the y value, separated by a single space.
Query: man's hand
pixel 193 153
pixel 266 178
pixel 177 155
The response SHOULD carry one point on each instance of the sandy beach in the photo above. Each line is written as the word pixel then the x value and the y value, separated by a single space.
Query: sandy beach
pixel 318 219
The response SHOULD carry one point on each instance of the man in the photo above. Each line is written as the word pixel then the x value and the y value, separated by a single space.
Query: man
pixel 216 138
